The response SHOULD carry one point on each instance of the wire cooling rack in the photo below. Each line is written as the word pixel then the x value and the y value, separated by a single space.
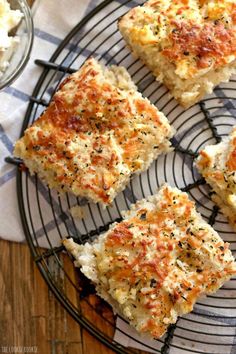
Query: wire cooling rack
pixel 211 327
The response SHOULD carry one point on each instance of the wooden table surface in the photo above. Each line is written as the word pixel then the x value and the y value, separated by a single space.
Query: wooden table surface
pixel 31 316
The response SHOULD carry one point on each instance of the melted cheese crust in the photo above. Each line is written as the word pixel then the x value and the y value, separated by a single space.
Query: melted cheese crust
pixel 97 131
pixel 190 45
pixel 153 266
pixel 217 164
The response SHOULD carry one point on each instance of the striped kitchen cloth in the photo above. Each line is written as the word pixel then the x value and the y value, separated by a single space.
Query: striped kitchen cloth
pixel 52 21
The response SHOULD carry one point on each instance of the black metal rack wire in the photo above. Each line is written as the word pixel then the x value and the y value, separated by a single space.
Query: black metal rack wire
pixel 45 215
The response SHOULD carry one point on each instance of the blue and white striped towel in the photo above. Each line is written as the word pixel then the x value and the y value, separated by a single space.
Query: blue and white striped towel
pixel 52 20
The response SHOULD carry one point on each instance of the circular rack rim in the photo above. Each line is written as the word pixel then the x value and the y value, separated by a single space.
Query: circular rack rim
pixel 82 320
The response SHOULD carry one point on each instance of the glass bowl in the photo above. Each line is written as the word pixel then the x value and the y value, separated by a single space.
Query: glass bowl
pixel 21 54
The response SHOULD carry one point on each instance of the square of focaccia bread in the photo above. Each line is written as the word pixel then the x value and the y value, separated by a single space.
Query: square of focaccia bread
pixel 189 45
pixel 96 132
pixel 217 164
pixel 153 266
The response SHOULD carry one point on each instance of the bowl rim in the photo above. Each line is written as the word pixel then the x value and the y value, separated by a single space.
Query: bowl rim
pixel 30 26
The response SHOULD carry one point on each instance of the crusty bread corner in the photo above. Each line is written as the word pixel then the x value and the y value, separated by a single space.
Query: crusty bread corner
pixel 154 265
pixel 189 48
pixel 217 164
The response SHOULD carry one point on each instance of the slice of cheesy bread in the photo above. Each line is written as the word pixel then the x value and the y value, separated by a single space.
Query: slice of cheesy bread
pixel 154 265
pixel 189 45
pixel 217 164
pixel 96 132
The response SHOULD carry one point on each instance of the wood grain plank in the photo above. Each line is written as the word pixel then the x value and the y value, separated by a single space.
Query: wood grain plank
pixel 33 314
pixel 73 332
pixel 31 311
pixel 5 293
pixel 92 346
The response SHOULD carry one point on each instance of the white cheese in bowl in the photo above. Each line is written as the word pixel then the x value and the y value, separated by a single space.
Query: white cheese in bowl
pixel 9 19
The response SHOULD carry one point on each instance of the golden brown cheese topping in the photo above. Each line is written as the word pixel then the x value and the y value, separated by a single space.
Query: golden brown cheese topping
pixel 149 240
pixel 97 131
pixel 208 45
pixel 153 266
pixel 217 164
pixel 189 45
pixel 231 161
pixel 201 33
